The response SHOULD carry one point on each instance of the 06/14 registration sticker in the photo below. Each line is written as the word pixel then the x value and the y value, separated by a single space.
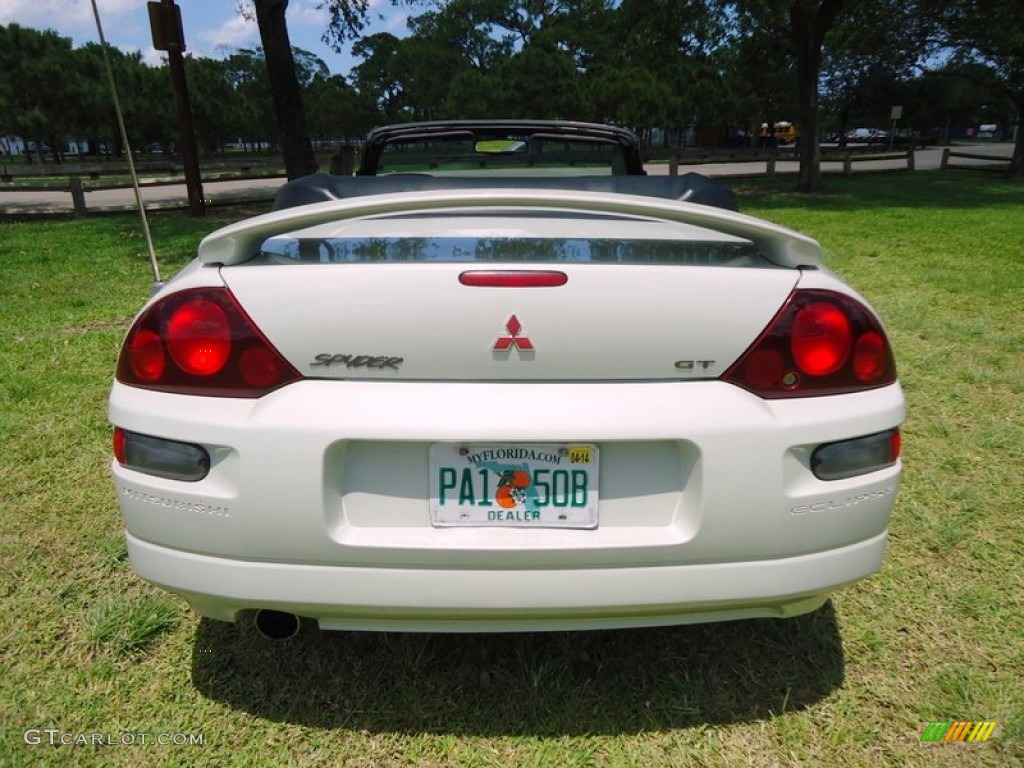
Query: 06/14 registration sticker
pixel 547 485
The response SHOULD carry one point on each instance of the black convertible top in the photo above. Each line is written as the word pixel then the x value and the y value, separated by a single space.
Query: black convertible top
pixel 321 187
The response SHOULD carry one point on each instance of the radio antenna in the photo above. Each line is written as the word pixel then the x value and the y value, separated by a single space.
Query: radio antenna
pixel 157 282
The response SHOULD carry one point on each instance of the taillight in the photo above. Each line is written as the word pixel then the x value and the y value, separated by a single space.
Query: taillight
pixel 819 343
pixel 201 342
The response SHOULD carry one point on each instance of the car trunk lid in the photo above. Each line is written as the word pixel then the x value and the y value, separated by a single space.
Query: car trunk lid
pixel 429 298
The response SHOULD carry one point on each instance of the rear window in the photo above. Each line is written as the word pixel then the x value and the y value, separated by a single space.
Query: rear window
pixel 460 249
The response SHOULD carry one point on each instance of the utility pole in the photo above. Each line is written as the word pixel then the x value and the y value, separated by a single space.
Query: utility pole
pixel 168 35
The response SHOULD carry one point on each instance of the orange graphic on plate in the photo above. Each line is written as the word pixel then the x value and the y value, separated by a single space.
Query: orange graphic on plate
pixel 511 488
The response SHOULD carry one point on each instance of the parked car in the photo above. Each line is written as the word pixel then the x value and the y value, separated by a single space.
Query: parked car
pixel 868 135
pixel 506 403
pixel 989 131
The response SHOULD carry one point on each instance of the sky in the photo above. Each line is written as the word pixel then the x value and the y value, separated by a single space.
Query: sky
pixel 212 27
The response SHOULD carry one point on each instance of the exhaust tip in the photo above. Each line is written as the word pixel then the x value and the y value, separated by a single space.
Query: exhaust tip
pixel 276 625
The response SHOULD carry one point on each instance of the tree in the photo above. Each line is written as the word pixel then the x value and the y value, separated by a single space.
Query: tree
pixel 41 83
pixel 810 21
pixel 872 52
pixel 761 80
pixel 990 32
pixel 250 112
pixel 803 24
pixel 955 96
pixel 348 18
pixel 144 93
pixel 448 51
pixel 873 30
pixel 459 27
pixel 339 111
pixel 522 84
pixel 658 55
pixel 380 75
pixel 289 112
pixel 211 95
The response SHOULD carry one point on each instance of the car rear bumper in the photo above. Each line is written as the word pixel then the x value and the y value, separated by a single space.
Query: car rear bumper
pixel 337 473
pixel 505 600
pixel 317 503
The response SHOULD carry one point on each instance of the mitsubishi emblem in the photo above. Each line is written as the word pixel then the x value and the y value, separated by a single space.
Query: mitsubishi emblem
pixel 506 343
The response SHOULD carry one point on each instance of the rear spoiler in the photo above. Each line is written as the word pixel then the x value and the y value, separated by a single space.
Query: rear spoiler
pixel 237 243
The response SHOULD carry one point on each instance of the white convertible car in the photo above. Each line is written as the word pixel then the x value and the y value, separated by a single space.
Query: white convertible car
pixel 530 400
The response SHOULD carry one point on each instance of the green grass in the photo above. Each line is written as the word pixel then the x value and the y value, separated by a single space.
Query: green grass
pixel 86 647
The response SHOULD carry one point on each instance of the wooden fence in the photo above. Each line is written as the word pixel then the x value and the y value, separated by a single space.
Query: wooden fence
pixel 769 162
pixel 78 187
pixel 997 163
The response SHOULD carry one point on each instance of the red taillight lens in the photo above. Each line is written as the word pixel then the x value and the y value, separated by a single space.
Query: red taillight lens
pixel 895 444
pixel 146 352
pixel 199 337
pixel 869 356
pixel 820 338
pixel 820 343
pixel 260 367
pixel 120 441
pixel 200 342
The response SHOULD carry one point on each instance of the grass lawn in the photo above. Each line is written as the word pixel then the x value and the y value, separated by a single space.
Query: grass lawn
pixel 86 648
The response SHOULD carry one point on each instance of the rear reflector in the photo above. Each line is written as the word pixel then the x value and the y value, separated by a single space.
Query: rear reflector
pixel 849 458
pixel 162 458
pixel 513 278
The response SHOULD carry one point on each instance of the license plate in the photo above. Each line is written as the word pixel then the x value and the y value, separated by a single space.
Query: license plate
pixel 516 485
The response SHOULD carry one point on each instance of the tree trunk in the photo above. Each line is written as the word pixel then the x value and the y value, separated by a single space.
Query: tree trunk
pixel 1017 161
pixel 289 114
pixel 844 123
pixel 810 152
pixel 811 21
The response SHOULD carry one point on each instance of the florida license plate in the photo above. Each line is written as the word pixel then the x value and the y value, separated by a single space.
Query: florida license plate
pixel 517 485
